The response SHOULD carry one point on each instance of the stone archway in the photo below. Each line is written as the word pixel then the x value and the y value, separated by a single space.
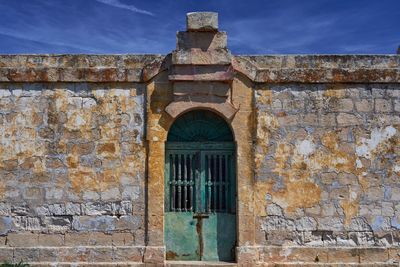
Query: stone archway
pixel 200 188
pixel 200 76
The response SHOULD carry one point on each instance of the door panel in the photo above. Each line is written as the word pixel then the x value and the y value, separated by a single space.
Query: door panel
pixel 219 229
pixel 181 237
pixel 219 182
pixel 219 237
pixel 200 202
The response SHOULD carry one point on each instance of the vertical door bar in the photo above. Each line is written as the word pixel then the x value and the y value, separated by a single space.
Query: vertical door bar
pixel 208 166
pixel 190 178
pixel 232 191
pixel 226 185
pixel 185 170
pixel 215 182
pixel 220 183
pixel 179 181
pixel 173 182
pixel 202 179
pixel 197 179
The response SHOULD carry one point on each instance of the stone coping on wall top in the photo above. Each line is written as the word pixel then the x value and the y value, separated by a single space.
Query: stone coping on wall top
pixel 259 68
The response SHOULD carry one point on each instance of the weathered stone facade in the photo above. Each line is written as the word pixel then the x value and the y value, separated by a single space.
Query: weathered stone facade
pixel 82 152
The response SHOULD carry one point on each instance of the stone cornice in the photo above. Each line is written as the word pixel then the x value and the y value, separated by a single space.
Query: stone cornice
pixel 80 68
pixel 260 69
pixel 319 68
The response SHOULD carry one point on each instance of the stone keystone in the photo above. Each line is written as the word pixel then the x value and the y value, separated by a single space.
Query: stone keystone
pixel 202 21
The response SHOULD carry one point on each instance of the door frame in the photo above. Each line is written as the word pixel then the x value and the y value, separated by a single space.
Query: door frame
pixel 159 95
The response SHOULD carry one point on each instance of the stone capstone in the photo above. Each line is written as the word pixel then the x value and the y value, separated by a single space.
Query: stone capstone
pixel 202 21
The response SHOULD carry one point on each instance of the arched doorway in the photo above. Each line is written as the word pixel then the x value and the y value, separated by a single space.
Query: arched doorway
pixel 200 189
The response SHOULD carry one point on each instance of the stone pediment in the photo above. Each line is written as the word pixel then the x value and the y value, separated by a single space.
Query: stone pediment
pixel 201 70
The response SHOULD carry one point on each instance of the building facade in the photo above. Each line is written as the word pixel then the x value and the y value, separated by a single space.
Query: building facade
pixel 200 155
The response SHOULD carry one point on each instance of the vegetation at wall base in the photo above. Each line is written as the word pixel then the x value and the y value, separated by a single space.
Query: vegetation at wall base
pixel 20 264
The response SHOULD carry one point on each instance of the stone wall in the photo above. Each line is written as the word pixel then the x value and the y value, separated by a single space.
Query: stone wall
pixel 327 171
pixel 72 170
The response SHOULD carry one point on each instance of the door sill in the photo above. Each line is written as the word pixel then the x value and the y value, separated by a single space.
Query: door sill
pixel 200 263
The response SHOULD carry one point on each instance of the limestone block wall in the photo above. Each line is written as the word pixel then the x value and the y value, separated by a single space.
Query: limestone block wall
pixel 327 167
pixel 72 172
pixel 82 154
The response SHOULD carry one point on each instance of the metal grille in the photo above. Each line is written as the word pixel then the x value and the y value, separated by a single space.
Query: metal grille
pixel 182 181
pixel 200 180
pixel 218 167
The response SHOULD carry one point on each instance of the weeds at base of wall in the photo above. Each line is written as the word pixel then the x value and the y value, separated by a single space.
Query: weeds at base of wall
pixel 20 264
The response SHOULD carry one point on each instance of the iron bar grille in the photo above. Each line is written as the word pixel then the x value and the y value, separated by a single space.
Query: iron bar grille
pixel 182 181
pixel 200 181
pixel 217 182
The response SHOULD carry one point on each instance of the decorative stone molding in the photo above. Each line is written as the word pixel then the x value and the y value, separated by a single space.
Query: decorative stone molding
pixel 201 70
pixel 133 68
pixel 213 96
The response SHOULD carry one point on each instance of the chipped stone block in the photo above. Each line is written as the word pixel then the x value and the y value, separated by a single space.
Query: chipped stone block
pixel 205 41
pixel 343 255
pixel 50 240
pixel 306 224
pixel 383 105
pixel 104 223
pixel 154 255
pixel 5 225
pixel 384 238
pixel 110 194
pixel 107 208
pixel 364 105
pixel 299 254
pixel 281 237
pixel 123 239
pixel 362 238
pixel 397 105
pixel 24 239
pixel 273 223
pixel 88 239
pixel 344 119
pixel 58 223
pixel 131 193
pixel 25 223
pixel 133 254
pixel 6 254
pixel 74 254
pixel 26 254
pixel 373 255
pixel 202 21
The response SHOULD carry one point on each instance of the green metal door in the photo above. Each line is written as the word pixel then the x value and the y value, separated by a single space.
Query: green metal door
pixel 200 189
pixel 200 216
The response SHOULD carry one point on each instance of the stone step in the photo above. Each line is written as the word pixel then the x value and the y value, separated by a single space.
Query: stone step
pixel 200 263
pixel 87 264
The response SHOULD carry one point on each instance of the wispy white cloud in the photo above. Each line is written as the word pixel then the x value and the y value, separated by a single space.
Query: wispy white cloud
pixel 264 27
pixel 119 4
pixel 34 41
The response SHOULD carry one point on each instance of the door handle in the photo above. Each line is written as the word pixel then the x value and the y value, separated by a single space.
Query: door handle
pixel 200 215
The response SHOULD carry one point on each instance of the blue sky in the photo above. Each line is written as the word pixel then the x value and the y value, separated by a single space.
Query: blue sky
pixel 149 26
